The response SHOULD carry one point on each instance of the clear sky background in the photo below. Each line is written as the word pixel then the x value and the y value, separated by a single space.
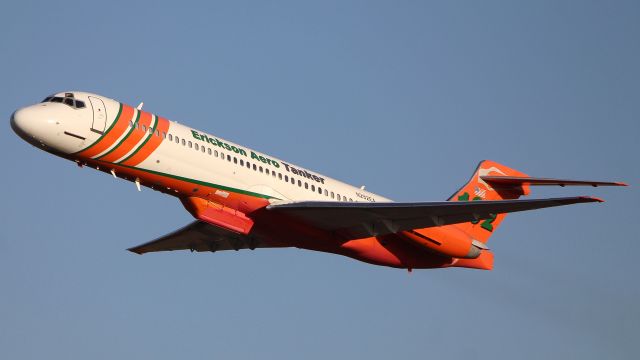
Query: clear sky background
pixel 403 96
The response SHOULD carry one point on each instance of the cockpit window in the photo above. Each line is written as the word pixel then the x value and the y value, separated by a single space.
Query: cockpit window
pixel 67 100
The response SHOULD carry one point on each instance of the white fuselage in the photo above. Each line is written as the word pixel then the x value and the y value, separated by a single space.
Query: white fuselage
pixel 184 152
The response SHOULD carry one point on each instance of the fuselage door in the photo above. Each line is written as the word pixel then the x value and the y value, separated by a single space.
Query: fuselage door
pixel 99 115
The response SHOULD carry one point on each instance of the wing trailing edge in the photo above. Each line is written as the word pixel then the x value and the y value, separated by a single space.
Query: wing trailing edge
pixel 354 220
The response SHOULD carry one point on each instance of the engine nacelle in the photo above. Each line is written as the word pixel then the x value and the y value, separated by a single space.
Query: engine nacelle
pixel 446 240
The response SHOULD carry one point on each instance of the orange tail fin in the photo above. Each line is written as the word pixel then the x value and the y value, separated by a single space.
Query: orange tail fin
pixel 478 189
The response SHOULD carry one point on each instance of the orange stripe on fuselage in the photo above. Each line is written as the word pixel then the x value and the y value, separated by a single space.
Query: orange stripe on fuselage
pixel 108 139
pixel 151 145
pixel 132 140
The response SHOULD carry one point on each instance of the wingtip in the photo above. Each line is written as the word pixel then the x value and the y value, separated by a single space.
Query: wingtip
pixel 593 199
pixel 136 251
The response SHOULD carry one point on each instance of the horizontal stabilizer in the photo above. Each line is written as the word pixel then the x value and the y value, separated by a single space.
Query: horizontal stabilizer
pixel 518 181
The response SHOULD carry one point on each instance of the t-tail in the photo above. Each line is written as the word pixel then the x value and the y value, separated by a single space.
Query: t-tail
pixel 491 181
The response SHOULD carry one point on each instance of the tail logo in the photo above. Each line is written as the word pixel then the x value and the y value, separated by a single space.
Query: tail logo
pixel 486 224
pixel 480 192
pixel 484 172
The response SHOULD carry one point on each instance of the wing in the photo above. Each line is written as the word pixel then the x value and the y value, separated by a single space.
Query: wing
pixel 356 220
pixel 200 236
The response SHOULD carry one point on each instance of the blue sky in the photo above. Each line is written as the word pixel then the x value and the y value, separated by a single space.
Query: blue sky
pixel 403 96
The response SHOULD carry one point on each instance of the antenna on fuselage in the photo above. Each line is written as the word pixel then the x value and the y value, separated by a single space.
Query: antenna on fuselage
pixel 139 107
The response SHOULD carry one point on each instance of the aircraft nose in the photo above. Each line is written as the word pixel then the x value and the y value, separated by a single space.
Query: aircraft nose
pixel 27 123
pixel 20 122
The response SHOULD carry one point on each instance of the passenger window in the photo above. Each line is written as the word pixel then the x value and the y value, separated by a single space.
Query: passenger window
pixel 326 193
pixel 280 176
pixel 197 146
pixel 241 162
pixel 306 186
pixel 313 188
pixel 266 171
pixel 170 137
pixel 190 144
pixel 286 178
pixel 157 133
pixel 319 190
pixel 164 135
pixel 177 140
pixel 130 123
pixel 255 167
pixel 184 142
pixel 144 128
pixel 229 158
pixel 293 181
pixel 202 149
pixel 332 195
pixel 150 130
pixel 215 153
pixel 338 197
pixel 221 155
pixel 209 151
pixel 248 165
pixel 235 160
pixel 260 168
pixel 299 183
pixel 350 199
pixel 273 174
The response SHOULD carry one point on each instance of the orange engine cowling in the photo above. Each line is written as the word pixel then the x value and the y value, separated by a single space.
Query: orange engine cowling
pixel 446 240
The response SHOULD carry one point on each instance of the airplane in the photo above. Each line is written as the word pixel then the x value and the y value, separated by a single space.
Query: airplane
pixel 244 199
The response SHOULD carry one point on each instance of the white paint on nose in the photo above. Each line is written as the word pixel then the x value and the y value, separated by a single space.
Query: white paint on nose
pixel 52 126
pixel 24 123
pixel 35 124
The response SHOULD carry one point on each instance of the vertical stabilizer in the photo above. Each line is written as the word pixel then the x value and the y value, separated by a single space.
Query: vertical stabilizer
pixel 478 189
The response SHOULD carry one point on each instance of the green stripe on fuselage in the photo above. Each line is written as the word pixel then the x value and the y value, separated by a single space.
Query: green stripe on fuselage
pixel 203 183
pixel 124 138
pixel 155 126
pixel 106 132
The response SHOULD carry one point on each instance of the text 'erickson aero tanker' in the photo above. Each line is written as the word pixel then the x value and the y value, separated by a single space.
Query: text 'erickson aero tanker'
pixel 244 199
